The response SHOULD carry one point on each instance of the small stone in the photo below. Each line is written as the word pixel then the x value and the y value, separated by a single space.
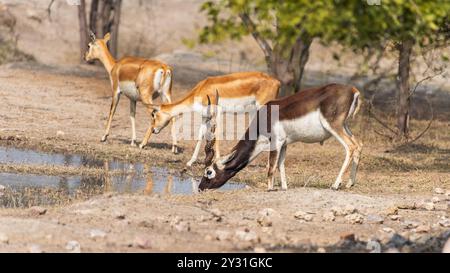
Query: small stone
pixel 395 217
pixel 410 224
pixel 354 218
pixel 349 209
pixel 208 237
pixel 391 211
pixel 429 206
pixel 268 212
pixel 4 238
pixel 34 248
pixel 321 250
pixel 423 229
pixel 397 240
pixel 374 219
pixel 264 221
pixel 439 191
pixel 179 225
pixel 217 214
pixel 337 211
pixel 444 222
pixel 60 133
pixel 222 235
pixel 329 216
pixel 248 236
pixel 447 193
pixel 142 242
pixel 373 246
pixel 301 215
pixel 97 234
pixel 392 250
pixel 260 250
pixel 36 211
pixel 435 200
pixel 388 230
pixel 73 247
pixel 2 188
pixel 446 248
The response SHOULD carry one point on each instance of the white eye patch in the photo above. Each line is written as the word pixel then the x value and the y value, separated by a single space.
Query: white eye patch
pixel 210 173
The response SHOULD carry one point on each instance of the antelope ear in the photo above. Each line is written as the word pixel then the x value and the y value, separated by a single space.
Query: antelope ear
pixel 107 37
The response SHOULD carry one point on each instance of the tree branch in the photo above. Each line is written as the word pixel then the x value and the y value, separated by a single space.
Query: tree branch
pixel 265 46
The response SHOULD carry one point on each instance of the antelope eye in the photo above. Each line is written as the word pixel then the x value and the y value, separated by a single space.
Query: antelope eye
pixel 210 173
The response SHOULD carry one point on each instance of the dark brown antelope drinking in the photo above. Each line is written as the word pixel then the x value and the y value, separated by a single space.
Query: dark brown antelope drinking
pixel 309 116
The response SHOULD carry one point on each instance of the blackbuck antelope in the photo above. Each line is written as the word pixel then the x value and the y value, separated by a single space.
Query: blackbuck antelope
pixel 238 91
pixel 310 116
pixel 138 79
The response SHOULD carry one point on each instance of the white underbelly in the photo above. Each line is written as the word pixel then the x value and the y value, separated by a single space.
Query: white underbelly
pixel 129 89
pixel 308 129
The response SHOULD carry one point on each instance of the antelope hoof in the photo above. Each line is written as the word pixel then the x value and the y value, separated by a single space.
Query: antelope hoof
pixel 335 187
pixel 350 184
pixel 284 189
pixel 133 143
pixel 190 163
pixel 142 146
pixel 271 189
pixel 104 138
pixel 175 149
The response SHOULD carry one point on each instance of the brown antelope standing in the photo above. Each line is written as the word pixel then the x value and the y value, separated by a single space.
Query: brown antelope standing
pixel 138 79
pixel 237 91
pixel 310 116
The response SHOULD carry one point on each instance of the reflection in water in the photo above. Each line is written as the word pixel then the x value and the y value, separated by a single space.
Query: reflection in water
pixel 23 190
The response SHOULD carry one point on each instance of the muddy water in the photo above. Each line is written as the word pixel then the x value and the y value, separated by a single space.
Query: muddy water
pixel 26 190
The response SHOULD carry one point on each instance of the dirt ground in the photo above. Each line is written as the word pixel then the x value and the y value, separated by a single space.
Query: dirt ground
pixel 395 205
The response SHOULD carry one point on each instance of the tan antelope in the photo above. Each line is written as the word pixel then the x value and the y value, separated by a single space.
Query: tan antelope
pixel 238 91
pixel 309 116
pixel 137 78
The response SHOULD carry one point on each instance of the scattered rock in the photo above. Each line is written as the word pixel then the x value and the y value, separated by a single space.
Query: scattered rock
pixel 217 214
pixel 247 236
pixel 337 211
pixel 391 211
pixel 142 242
pixel 60 134
pixel 260 250
pixel 266 217
pixel 222 235
pixel 36 211
pixel 354 218
pixel 435 200
pixel 321 250
pixel 423 229
pixel 349 209
pixel 395 217
pixel 35 249
pixel 73 247
pixel 2 188
pixel 179 225
pixel 439 191
pixel 328 216
pixel 208 237
pixel 426 206
pixel 388 230
pixel 410 224
pixel 397 240
pixel 446 248
pixel 97 234
pixel 373 246
pixel 392 250
pixel 4 238
pixel 374 219
pixel 145 224
pixel 301 215
pixel 444 222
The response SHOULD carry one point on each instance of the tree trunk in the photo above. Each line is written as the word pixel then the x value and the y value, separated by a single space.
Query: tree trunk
pixel 115 28
pixel 290 70
pixel 403 87
pixel 105 18
pixel 93 16
pixel 83 29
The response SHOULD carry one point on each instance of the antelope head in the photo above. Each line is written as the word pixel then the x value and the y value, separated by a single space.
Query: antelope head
pixel 96 47
pixel 215 173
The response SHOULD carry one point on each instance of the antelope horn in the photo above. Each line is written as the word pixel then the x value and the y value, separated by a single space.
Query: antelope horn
pixel 92 35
